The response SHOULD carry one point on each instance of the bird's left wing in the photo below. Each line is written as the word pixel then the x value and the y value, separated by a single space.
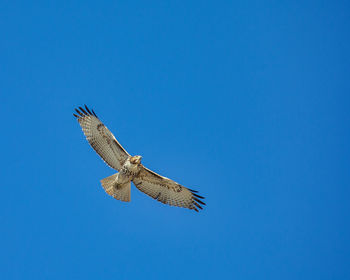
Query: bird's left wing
pixel 101 139
pixel 166 190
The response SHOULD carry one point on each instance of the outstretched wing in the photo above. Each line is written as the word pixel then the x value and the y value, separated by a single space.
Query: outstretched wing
pixel 167 191
pixel 101 139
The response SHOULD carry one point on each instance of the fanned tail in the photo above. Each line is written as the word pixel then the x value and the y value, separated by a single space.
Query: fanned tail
pixel 118 191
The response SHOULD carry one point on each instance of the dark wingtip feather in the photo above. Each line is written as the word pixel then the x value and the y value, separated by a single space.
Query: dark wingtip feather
pixel 196 199
pixel 199 196
pixel 83 111
pixel 75 115
pixel 200 207
pixel 87 109
pixel 80 113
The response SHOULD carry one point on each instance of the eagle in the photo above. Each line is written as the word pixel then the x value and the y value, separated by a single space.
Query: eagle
pixel 130 168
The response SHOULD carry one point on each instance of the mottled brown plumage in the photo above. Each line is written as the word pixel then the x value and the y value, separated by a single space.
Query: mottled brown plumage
pixel 130 168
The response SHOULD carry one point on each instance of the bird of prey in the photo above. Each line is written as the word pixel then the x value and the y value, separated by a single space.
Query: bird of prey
pixel 130 168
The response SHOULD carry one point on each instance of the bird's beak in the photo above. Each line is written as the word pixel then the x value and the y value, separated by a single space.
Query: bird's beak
pixel 139 159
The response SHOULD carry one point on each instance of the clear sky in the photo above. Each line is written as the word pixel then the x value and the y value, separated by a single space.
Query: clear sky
pixel 245 101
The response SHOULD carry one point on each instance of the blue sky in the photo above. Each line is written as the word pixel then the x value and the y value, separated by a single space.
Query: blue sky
pixel 246 101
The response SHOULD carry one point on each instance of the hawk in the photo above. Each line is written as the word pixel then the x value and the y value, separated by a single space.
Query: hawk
pixel 130 168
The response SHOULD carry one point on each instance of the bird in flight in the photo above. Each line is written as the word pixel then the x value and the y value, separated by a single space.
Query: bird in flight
pixel 130 168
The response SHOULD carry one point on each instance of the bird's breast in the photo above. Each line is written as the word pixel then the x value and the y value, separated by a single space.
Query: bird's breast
pixel 129 170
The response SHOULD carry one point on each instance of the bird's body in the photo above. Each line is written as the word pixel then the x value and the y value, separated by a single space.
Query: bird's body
pixel 118 185
pixel 130 168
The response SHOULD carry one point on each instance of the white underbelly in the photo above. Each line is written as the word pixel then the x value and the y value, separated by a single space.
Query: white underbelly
pixel 122 178
pixel 127 173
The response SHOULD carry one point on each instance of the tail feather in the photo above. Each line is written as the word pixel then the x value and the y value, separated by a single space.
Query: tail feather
pixel 120 192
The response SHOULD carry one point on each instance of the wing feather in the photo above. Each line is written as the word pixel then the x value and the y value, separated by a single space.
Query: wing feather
pixel 101 139
pixel 166 190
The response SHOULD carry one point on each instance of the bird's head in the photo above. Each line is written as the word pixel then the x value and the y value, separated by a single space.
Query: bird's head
pixel 136 160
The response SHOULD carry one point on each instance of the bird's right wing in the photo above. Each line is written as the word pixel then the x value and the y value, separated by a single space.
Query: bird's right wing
pixel 101 139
